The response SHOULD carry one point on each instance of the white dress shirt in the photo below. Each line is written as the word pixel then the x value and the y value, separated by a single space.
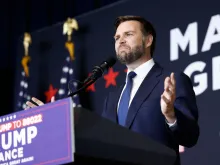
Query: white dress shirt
pixel 141 72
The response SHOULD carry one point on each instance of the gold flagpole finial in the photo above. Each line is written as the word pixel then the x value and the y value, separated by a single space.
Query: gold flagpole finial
pixel 68 27
pixel 26 42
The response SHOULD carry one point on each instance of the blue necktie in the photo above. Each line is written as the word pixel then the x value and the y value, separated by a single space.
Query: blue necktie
pixel 125 98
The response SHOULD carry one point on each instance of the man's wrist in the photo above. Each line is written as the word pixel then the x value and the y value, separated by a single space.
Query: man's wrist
pixel 170 118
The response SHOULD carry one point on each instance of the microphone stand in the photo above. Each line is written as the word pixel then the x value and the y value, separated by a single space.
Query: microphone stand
pixel 98 72
pixel 83 87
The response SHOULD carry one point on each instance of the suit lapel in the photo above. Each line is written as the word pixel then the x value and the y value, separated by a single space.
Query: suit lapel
pixel 148 84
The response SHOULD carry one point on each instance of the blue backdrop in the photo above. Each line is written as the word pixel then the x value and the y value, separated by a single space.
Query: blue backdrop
pixel 21 16
pixel 188 39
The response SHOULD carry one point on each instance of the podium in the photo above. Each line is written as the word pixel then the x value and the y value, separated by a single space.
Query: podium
pixel 56 133
pixel 101 141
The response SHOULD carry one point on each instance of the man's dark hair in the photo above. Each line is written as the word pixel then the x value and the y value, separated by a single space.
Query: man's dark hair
pixel 147 27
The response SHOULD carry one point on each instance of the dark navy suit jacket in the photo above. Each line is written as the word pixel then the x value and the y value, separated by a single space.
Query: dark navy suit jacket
pixel 145 116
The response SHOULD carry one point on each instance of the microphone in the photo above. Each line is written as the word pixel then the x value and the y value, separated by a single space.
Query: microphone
pixel 98 71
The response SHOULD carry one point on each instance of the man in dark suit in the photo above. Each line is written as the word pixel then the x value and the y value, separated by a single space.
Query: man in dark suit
pixel 153 101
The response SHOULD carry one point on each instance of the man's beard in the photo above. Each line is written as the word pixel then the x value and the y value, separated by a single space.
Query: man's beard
pixel 133 55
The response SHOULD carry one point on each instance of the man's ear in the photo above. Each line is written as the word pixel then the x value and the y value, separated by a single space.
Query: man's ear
pixel 148 40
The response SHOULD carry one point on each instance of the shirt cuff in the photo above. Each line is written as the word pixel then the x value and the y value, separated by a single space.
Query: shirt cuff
pixel 171 124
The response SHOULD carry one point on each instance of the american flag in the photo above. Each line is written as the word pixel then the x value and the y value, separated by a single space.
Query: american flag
pixel 68 83
pixel 23 95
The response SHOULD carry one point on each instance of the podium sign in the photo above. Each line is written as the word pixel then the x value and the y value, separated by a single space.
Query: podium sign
pixel 41 135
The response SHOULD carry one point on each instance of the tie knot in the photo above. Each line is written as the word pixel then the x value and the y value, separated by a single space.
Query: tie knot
pixel 131 75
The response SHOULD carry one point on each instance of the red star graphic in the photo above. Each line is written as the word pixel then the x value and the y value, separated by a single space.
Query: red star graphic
pixel 50 93
pixel 110 78
pixel 91 87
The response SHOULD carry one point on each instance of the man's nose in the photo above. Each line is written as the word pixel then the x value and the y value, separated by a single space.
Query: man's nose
pixel 122 40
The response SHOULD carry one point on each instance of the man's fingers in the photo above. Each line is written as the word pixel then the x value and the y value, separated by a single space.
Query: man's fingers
pixel 168 93
pixel 168 85
pixel 172 78
pixel 30 104
pixel 27 108
pixel 38 102
pixel 166 82
pixel 170 88
pixel 165 99
pixel 53 99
